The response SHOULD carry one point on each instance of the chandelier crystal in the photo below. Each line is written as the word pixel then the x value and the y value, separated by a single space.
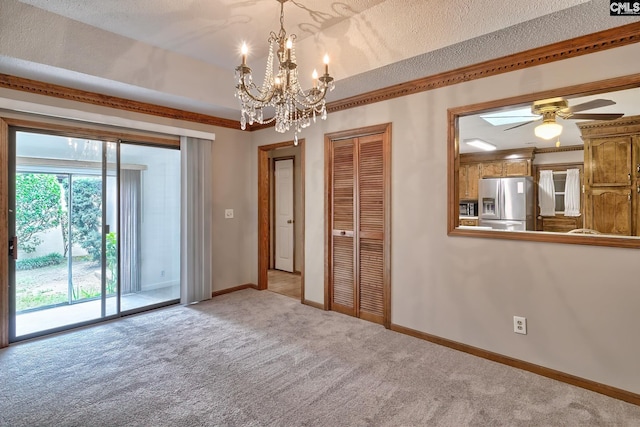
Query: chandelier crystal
pixel 281 91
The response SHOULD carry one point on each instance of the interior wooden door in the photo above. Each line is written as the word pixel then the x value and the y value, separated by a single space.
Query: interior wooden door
pixel 357 273
pixel 371 228
pixel 343 295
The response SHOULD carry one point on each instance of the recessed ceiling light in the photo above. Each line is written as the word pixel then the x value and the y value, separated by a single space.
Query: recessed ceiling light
pixel 478 143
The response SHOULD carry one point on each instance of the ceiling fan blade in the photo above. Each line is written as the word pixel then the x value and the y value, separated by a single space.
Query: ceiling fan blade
pixel 596 103
pixel 524 124
pixel 510 117
pixel 596 116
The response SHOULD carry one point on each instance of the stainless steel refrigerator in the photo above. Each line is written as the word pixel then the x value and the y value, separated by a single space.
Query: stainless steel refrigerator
pixel 506 203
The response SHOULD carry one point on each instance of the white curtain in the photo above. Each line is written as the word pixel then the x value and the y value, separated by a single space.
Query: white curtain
pixel 572 193
pixel 196 219
pixel 130 238
pixel 546 194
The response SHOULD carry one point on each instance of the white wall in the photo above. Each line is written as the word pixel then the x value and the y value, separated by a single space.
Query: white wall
pixel 580 301
pixel 234 260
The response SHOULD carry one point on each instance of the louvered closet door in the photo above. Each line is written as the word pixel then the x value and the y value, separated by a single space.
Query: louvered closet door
pixel 343 293
pixel 370 235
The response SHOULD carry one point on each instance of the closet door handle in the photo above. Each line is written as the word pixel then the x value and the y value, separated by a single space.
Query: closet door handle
pixel 342 233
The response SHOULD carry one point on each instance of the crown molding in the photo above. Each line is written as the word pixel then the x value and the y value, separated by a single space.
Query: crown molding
pixel 64 92
pixel 560 149
pixel 595 42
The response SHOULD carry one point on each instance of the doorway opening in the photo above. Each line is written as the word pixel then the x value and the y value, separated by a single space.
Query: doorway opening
pixel 281 218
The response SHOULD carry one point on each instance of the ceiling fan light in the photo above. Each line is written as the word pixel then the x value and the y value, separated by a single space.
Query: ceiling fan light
pixel 548 130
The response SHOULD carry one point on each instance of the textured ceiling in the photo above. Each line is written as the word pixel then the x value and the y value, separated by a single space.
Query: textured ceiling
pixel 182 53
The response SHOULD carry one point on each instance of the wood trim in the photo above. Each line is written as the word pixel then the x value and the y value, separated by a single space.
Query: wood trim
pixel 596 42
pixel 328 232
pixel 4 234
pixel 272 222
pixel 610 391
pixel 64 92
pixel 263 211
pixel 519 153
pixel 234 289
pixel 302 181
pixel 386 130
pixel 583 89
pixel 92 133
pixel 607 85
pixel 386 321
pixel 561 149
pixel 313 304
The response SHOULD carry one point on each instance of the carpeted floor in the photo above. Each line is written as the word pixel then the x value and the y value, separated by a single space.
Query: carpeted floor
pixel 261 359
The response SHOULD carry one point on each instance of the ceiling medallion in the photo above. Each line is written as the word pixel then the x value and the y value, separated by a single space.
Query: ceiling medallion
pixel 294 108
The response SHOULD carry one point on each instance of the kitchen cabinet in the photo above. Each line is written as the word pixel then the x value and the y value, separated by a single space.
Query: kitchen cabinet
pixel 610 210
pixel 517 168
pixel 473 222
pixel 503 168
pixel 492 169
pixel 612 175
pixel 468 181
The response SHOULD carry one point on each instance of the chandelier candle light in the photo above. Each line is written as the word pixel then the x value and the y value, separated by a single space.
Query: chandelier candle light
pixel 294 108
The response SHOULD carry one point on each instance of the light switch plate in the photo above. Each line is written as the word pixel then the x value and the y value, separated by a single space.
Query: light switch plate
pixel 228 213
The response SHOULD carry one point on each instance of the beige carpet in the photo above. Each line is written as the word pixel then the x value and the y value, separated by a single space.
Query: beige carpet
pixel 261 359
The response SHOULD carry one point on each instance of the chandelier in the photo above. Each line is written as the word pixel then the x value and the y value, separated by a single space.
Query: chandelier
pixel 282 92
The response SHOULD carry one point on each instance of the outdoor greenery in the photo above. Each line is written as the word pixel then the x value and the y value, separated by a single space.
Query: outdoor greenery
pixel 39 298
pixel 86 221
pixel 112 263
pixel 39 262
pixel 39 207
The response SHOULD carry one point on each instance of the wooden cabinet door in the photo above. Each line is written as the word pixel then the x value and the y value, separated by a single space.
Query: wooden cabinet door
pixel 609 210
pixel 492 169
pixel 516 168
pixel 473 175
pixel 343 221
pixel 609 162
pixel 560 224
pixel 370 273
pixel 463 189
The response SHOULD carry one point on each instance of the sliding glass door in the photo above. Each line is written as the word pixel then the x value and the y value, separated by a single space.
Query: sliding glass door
pixel 150 221
pixel 95 236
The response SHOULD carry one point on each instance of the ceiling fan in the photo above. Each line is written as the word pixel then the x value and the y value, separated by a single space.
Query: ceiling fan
pixel 549 109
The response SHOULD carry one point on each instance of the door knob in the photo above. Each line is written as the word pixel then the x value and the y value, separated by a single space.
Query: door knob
pixel 289 221
pixel 342 233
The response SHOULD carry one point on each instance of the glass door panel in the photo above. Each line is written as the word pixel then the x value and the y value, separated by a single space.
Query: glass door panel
pixel 56 212
pixel 150 226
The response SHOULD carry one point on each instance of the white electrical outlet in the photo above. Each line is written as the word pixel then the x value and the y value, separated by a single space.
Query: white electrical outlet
pixel 520 325
pixel 228 213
